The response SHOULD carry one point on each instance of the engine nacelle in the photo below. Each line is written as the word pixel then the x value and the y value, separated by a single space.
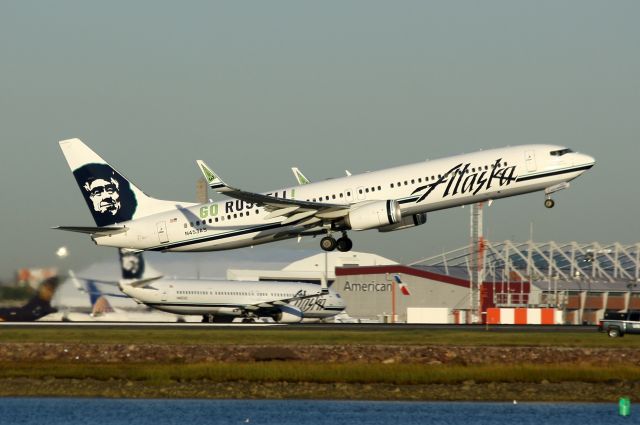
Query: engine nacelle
pixel 406 222
pixel 374 214
pixel 288 314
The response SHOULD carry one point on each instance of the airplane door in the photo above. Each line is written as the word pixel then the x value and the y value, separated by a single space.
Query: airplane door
pixel 161 226
pixel 530 160
pixel 164 295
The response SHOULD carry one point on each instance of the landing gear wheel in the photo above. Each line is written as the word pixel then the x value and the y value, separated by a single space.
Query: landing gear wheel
pixel 549 203
pixel 328 243
pixel 344 244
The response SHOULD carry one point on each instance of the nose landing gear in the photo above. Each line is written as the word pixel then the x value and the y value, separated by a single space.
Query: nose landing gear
pixel 549 203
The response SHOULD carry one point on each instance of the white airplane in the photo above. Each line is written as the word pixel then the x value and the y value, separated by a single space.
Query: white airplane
pixel 225 300
pixel 387 200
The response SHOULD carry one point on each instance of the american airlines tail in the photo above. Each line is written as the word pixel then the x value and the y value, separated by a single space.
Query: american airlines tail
pixel 111 198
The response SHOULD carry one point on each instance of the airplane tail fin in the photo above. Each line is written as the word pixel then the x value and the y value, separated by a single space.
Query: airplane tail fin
pixel 111 198
pixel 99 302
pixel 39 305
pixel 134 268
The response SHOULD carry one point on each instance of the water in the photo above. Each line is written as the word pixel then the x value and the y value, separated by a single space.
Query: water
pixel 69 411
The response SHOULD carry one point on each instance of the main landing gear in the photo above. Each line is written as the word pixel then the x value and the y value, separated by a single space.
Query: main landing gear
pixel 344 244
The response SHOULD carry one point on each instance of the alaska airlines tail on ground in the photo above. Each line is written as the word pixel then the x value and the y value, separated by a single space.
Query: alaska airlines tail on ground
pixel 224 300
pixel 38 306
pixel 386 200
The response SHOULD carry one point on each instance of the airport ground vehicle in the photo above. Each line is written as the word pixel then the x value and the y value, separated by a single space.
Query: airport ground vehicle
pixel 618 324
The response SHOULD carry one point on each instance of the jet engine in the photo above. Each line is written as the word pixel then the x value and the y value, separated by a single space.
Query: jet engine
pixel 288 314
pixel 370 215
pixel 406 222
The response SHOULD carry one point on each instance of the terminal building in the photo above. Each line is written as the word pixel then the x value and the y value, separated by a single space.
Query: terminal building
pixel 568 283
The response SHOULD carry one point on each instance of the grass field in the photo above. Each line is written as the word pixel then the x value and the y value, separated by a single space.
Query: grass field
pixel 347 373
pixel 283 336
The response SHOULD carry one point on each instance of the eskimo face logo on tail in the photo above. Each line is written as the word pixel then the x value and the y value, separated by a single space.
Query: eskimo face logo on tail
pixel 463 179
pixel 107 193
pixel 132 265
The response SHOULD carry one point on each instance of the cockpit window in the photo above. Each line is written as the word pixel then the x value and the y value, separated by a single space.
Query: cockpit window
pixel 560 152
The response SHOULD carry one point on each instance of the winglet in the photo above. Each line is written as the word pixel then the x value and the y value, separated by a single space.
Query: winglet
pixel 299 176
pixel 212 178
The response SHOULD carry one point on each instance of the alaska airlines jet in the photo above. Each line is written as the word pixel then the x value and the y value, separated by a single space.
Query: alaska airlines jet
pixel 387 200
pixel 224 300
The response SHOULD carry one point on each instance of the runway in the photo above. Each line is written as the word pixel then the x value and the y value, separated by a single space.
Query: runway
pixel 302 326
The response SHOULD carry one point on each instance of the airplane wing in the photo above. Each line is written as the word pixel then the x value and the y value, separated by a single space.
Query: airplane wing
pixel 293 210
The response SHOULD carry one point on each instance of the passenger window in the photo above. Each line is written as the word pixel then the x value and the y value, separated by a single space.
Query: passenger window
pixel 379 188
pixel 391 185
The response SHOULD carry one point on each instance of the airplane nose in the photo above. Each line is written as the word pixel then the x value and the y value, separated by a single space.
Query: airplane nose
pixel 588 160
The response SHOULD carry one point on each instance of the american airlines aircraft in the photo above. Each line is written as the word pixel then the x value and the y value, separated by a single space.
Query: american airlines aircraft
pixel 387 200
pixel 224 300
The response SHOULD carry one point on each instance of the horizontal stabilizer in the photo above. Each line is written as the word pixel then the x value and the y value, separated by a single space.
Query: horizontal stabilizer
pixel 141 283
pixel 96 231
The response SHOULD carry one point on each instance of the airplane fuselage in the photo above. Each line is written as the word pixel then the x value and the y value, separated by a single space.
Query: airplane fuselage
pixel 417 188
pixel 229 298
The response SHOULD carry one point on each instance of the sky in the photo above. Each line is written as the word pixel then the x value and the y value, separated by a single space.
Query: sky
pixel 255 88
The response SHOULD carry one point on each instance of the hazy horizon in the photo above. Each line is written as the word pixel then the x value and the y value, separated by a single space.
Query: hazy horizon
pixel 254 88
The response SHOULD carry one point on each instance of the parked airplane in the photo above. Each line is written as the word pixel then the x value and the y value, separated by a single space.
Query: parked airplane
pixel 386 200
pixel 224 300
pixel 37 307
